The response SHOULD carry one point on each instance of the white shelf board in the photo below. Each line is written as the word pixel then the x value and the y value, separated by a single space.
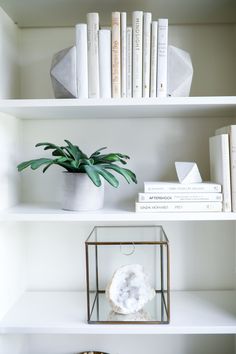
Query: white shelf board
pixel 198 312
pixel 54 13
pixel 223 106
pixel 52 212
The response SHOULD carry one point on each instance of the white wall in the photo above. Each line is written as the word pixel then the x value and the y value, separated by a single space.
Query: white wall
pixel 131 344
pixel 9 65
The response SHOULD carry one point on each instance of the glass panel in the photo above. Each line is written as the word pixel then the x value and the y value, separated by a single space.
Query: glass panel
pixel 154 312
pixel 130 234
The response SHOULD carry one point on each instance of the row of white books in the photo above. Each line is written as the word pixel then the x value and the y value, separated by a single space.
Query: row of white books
pixel 122 61
pixel 223 164
pixel 177 197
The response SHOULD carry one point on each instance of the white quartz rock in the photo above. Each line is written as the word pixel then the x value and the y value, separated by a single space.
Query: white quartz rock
pixel 141 315
pixel 129 289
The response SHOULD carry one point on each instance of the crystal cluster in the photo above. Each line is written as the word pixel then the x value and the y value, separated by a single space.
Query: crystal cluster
pixel 129 289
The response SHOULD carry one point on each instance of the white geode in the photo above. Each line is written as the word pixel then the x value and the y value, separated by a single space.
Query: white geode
pixel 129 289
pixel 141 315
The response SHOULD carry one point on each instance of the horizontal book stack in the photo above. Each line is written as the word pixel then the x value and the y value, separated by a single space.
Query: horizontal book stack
pixel 177 197
pixel 223 164
pixel 122 60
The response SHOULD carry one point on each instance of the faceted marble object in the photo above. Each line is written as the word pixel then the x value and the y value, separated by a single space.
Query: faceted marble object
pixel 129 289
pixel 188 172
pixel 63 73
pixel 180 72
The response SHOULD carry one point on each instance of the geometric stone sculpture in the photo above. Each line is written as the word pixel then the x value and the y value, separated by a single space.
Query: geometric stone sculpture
pixel 63 73
pixel 188 172
pixel 129 289
pixel 180 72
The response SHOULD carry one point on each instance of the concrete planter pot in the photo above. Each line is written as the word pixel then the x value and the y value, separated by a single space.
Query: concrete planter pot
pixel 80 193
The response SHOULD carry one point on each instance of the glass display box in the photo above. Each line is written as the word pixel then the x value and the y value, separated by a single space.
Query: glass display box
pixel 111 248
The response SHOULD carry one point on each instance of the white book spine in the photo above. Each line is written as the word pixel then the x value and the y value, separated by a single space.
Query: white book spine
pixel 93 56
pixel 153 70
pixel 179 197
pixel 162 57
pixel 137 20
pixel 81 60
pixel 123 54
pixel 116 76
pixel 231 130
pixel 178 207
pixel 154 187
pixel 220 166
pixel 147 20
pixel 129 62
pixel 105 63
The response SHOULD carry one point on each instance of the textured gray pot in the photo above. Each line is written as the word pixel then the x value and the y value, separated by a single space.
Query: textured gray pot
pixel 80 193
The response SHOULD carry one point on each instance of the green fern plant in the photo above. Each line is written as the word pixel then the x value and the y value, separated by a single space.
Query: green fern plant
pixel 73 159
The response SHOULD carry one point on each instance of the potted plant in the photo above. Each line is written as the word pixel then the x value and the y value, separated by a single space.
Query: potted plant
pixel 84 176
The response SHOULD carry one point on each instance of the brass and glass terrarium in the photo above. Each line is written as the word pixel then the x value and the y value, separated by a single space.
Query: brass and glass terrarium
pixel 128 281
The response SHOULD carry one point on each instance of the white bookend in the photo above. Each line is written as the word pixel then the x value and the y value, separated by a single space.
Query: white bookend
pixel 123 17
pixel 188 172
pixel 137 20
pixel 105 62
pixel 162 57
pixel 116 76
pixel 178 207
pixel 179 197
pixel 220 166
pixel 206 187
pixel 231 131
pixel 129 61
pixel 147 20
pixel 81 60
pixel 153 70
pixel 93 58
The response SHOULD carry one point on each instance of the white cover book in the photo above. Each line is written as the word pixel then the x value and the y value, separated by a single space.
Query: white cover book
pixel 179 197
pixel 147 20
pixel 206 187
pixel 123 16
pixel 231 131
pixel 137 21
pixel 220 166
pixel 162 57
pixel 104 36
pixel 153 71
pixel 93 59
pixel 129 61
pixel 178 207
pixel 81 60
pixel 116 72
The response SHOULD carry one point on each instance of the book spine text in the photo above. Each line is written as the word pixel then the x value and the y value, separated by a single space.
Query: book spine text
pixel 123 54
pixel 153 71
pixel 147 19
pixel 105 63
pixel 178 207
pixel 129 62
pixel 137 20
pixel 81 60
pixel 93 58
pixel 116 76
pixel 162 57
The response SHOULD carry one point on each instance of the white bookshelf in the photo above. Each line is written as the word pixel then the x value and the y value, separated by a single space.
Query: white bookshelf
pixel 193 312
pixel 52 212
pixel 120 108
pixel 42 267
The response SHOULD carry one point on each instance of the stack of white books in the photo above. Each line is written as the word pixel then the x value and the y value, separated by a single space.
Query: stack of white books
pixel 178 197
pixel 122 60
pixel 223 164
